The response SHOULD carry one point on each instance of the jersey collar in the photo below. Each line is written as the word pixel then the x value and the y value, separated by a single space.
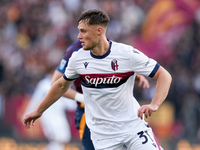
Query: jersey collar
pixel 103 56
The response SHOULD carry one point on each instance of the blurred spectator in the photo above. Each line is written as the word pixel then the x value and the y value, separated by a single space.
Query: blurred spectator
pixel 191 116
pixel 167 30
pixel 54 121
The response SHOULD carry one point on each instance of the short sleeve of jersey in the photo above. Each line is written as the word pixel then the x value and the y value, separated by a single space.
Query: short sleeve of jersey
pixel 142 64
pixel 70 73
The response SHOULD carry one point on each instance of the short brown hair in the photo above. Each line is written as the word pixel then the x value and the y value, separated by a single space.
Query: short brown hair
pixel 95 17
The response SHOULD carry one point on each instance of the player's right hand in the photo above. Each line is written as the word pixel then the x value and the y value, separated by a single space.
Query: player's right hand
pixel 147 110
pixel 30 118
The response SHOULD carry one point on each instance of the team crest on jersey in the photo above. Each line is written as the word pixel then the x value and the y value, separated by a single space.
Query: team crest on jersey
pixel 114 65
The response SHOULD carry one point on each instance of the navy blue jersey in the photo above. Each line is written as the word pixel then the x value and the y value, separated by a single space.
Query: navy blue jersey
pixel 79 113
pixel 64 62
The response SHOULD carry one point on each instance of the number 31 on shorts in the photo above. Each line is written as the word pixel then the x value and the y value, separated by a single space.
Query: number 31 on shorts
pixel 149 137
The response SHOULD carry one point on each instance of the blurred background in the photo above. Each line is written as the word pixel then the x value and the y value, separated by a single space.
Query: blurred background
pixel 35 33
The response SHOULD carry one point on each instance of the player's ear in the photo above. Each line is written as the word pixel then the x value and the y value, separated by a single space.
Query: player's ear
pixel 100 29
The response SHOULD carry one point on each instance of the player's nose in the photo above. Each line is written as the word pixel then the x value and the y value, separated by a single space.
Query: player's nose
pixel 79 36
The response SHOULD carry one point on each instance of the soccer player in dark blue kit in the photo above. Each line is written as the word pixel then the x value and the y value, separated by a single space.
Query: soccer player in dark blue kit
pixel 84 132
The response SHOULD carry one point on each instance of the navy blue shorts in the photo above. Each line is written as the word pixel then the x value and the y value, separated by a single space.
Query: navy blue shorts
pixel 84 131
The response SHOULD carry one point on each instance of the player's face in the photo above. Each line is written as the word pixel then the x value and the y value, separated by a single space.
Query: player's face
pixel 88 35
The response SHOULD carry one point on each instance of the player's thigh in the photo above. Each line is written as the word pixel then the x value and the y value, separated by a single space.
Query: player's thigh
pixel 114 143
pixel 109 144
pixel 114 147
pixel 144 140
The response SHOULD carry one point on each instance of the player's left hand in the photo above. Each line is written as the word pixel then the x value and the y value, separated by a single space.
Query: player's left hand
pixel 146 110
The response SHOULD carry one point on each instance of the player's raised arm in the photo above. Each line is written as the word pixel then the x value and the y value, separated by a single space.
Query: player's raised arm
pixel 162 88
pixel 55 92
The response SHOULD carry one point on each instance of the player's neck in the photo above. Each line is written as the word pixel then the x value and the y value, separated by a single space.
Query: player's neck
pixel 101 48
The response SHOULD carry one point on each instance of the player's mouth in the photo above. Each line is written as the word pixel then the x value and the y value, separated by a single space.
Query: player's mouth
pixel 82 43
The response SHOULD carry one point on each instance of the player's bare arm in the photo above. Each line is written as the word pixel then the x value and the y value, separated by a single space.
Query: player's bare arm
pixel 162 88
pixel 70 93
pixel 55 92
